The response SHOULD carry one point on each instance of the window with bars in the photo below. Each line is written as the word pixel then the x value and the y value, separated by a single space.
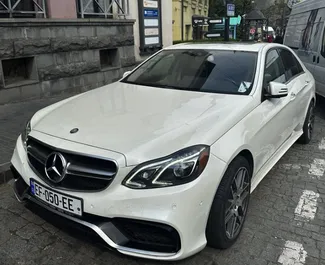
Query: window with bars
pixel 102 8
pixel 22 8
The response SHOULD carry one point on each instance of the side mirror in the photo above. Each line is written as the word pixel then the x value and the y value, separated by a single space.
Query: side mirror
pixel 126 74
pixel 277 90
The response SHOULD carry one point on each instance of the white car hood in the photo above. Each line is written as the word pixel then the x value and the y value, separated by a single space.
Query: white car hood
pixel 143 122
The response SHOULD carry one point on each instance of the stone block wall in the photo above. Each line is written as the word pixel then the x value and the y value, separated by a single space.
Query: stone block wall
pixel 72 55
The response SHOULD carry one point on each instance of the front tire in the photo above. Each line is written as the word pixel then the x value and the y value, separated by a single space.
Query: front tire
pixel 230 204
pixel 308 127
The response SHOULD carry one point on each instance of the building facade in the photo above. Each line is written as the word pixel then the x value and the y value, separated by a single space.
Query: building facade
pixel 57 46
pixel 183 18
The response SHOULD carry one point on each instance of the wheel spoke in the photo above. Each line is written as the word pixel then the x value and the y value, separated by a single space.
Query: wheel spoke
pixel 243 196
pixel 229 215
pixel 239 179
pixel 240 220
pixel 233 226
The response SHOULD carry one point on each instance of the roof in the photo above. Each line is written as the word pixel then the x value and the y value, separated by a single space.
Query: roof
pixel 255 14
pixel 237 46
pixel 306 6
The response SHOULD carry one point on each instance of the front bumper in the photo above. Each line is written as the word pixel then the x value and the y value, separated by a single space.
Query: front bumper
pixel 174 219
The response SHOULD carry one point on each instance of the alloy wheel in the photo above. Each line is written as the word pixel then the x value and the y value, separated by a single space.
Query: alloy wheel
pixel 237 204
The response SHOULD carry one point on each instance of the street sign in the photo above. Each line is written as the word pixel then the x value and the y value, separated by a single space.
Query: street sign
pixel 199 21
pixel 230 10
pixel 151 12
pixel 150 3
pixel 235 21
pixel 216 21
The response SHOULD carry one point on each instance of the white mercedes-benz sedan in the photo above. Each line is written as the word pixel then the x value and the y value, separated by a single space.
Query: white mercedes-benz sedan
pixel 162 162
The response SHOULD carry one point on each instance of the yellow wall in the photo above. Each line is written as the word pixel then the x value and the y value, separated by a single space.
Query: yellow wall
pixel 191 7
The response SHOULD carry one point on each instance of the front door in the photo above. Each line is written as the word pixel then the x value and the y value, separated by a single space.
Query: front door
pixel 273 115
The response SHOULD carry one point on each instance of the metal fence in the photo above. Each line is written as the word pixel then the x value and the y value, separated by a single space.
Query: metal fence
pixel 22 8
pixel 103 8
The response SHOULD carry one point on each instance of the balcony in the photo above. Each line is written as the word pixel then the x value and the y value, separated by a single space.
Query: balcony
pixel 103 8
pixel 22 8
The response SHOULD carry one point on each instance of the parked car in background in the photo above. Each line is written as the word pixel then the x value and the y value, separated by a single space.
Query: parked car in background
pixel 163 162
pixel 305 35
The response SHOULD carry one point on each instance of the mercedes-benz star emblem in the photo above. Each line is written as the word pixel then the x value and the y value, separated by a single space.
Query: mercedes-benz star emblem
pixel 55 167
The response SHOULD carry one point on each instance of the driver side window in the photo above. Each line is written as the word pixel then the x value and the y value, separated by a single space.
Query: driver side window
pixel 274 69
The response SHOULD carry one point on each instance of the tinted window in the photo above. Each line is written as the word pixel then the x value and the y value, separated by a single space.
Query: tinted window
pixel 215 71
pixel 291 65
pixel 323 45
pixel 274 69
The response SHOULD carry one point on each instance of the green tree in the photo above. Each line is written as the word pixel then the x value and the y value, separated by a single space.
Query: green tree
pixel 217 9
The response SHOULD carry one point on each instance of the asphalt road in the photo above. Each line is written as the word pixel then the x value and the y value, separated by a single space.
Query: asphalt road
pixel 285 222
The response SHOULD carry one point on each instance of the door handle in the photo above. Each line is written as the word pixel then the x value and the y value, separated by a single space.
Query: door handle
pixel 318 59
pixel 314 58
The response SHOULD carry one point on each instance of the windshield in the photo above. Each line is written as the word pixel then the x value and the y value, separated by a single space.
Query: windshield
pixel 214 71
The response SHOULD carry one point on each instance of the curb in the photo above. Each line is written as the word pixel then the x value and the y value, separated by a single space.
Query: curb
pixel 5 173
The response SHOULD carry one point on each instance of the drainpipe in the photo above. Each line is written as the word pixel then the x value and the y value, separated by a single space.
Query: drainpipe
pixel 182 19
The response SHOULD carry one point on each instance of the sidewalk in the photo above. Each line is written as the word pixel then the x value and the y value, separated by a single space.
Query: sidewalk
pixel 13 118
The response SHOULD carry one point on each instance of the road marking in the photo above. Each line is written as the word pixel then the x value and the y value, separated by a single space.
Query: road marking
pixel 321 145
pixel 293 254
pixel 317 168
pixel 307 206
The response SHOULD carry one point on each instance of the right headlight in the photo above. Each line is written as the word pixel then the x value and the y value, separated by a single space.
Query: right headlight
pixel 179 168
pixel 25 133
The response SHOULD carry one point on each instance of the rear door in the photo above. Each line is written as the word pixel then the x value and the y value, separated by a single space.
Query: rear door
pixel 299 86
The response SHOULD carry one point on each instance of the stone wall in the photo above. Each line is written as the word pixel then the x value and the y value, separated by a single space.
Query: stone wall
pixel 62 55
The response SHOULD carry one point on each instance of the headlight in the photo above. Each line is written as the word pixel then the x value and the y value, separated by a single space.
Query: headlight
pixel 25 133
pixel 179 168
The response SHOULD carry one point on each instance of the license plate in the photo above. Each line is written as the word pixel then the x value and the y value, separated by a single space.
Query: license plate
pixel 56 199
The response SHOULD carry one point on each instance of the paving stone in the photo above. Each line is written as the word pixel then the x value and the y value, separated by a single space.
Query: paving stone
pixel 43 240
pixel 31 217
pixel 16 247
pixel 28 231
pixel 50 228
pixel 271 253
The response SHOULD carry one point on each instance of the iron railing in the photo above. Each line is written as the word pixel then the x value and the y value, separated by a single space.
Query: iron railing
pixel 103 8
pixel 22 8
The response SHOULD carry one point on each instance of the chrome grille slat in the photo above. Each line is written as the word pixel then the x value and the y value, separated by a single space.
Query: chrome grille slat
pixel 83 173
pixel 36 154
pixel 75 169
pixel 87 176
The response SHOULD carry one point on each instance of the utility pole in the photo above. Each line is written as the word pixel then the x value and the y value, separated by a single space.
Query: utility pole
pixel 226 37
pixel 182 19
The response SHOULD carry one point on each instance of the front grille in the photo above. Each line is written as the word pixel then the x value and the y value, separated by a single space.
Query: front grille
pixel 83 173
pixel 148 235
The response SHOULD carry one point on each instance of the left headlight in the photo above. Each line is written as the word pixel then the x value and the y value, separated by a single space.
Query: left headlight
pixel 179 168
pixel 25 133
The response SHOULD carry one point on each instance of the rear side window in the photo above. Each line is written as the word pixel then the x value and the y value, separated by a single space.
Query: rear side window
pixel 323 45
pixel 274 69
pixel 291 65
